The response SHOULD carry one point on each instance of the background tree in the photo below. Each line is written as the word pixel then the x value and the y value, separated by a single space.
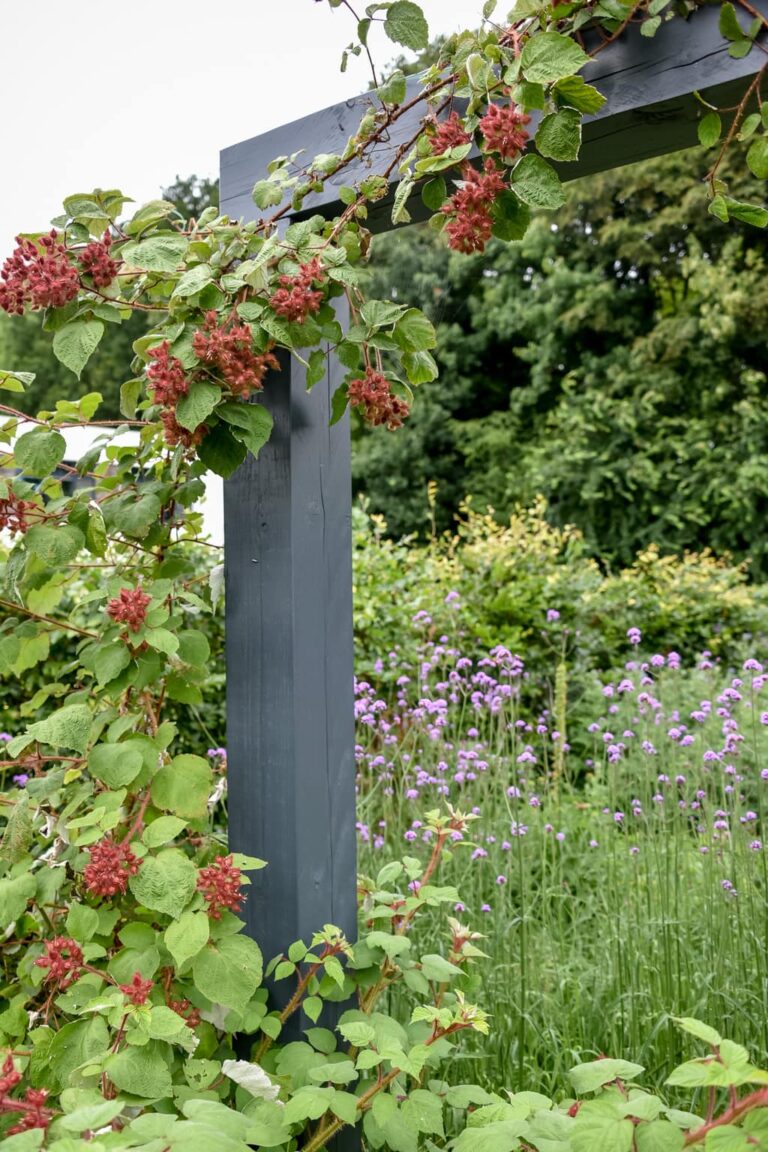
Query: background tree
pixel 192 194
pixel 614 362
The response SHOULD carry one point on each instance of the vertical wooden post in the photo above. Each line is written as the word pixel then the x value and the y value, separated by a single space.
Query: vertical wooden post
pixel 290 729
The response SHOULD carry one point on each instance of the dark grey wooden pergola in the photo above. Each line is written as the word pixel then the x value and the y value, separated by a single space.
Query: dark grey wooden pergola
pixel 287 514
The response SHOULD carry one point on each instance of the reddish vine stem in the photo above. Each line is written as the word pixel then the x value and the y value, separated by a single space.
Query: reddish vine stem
pixel 622 28
pixel 357 20
pixel 376 137
pixel 323 1135
pixel 48 620
pixel 733 1115
pixel 757 15
pixel 754 86
pixel 139 821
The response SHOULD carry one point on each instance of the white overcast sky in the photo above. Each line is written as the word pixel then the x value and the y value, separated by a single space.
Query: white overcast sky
pixel 126 95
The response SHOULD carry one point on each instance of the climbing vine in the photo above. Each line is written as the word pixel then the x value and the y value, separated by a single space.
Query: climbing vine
pixel 126 976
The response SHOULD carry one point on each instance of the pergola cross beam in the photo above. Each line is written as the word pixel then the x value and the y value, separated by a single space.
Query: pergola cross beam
pixel 650 109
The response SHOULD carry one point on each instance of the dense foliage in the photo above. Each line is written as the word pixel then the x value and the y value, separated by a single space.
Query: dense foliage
pixel 614 362
pixel 126 975
pixel 23 341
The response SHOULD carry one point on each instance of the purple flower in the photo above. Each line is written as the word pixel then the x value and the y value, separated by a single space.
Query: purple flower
pixel 634 635
pixel 552 615
pixel 485 908
pixel 501 879
pixel 5 737
pixel 21 780
pixel 593 844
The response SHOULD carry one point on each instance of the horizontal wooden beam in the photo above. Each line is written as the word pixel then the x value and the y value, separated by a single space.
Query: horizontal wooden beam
pixel 650 110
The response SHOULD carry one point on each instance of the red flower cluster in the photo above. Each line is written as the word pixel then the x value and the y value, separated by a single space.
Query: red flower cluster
pixel 138 990
pixel 63 959
pixel 40 276
pixel 373 395
pixel 220 885
pixel 13 513
pixel 469 229
pixel 229 349
pixel 184 1009
pixel 176 433
pixel 166 375
pixel 295 298
pixel 34 1114
pixel 110 866
pixel 503 128
pixel 10 1077
pixel 450 134
pixel 97 263
pixel 130 607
